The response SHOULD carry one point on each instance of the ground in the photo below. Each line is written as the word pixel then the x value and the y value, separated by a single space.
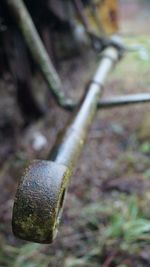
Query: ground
pixel 106 219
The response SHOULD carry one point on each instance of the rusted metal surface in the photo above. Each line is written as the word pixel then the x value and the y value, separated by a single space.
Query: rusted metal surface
pixel 102 16
pixel 40 195
pixel 39 200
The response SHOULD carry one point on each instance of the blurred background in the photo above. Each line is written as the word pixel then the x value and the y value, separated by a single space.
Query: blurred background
pixel 106 219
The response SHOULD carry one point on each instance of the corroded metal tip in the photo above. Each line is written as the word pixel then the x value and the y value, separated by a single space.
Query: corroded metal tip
pixel 39 201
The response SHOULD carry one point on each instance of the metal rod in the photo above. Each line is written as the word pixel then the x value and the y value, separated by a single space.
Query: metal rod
pixel 38 51
pixel 40 55
pixel 41 192
pixel 69 149
pixel 124 100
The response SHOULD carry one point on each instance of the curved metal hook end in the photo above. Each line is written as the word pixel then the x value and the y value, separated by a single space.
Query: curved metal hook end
pixel 39 201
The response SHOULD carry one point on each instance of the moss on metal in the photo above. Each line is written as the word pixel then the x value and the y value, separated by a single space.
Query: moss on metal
pixel 38 201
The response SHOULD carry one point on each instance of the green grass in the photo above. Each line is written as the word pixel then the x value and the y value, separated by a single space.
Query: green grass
pixel 117 222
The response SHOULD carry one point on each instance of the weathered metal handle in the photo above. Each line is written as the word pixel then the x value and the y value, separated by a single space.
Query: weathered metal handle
pixel 41 191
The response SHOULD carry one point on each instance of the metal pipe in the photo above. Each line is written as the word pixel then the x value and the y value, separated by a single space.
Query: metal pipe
pixel 122 100
pixel 73 140
pixel 40 196
pixel 38 51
